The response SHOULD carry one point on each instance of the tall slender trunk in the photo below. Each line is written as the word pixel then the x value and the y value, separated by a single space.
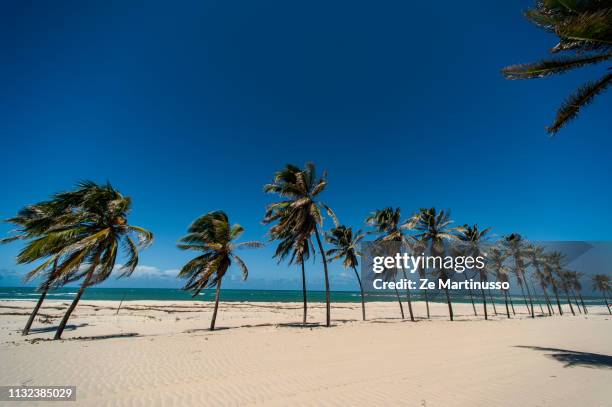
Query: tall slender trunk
pixel 304 293
pixel 408 295
pixel 529 293
pixel 471 295
pixel 576 302
pixel 525 298
pixel 62 325
pixel 450 305
pixel 569 302
pixel 399 301
pixel 327 299
pixel 556 292
pixel 506 301
pixel 540 304
pixel 607 305
pixel 427 304
pixel 214 315
pixel 26 329
pixel 492 302
pixel 484 303
pixel 548 304
pixel 582 302
pixel 512 305
pixel 362 295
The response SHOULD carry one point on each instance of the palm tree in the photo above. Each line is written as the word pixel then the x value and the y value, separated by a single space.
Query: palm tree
pixel 496 260
pixel 299 215
pixel 418 246
pixel 387 223
pixel 577 287
pixel 583 29
pixel 434 227
pixel 601 283
pixel 212 235
pixel 345 247
pixel 33 222
pixel 534 254
pixel 515 244
pixel 473 237
pixel 85 245
pixel 551 264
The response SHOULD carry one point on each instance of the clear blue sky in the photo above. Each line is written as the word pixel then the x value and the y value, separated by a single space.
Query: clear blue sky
pixel 191 107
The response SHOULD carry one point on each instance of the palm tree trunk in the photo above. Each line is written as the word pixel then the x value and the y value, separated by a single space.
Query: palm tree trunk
pixel 548 304
pixel 217 295
pixel 26 329
pixel 62 325
pixel 512 305
pixel 427 304
pixel 484 303
pixel 569 302
pixel 492 302
pixel 576 301
pixel 304 293
pixel 362 295
pixel 556 292
pixel 540 304
pixel 506 301
pixel 529 293
pixel 583 305
pixel 607 305
pixel 471 295
pixel 327 298
pixel 408 295
pixel 399 300
pixel 450 304
pixel 525 298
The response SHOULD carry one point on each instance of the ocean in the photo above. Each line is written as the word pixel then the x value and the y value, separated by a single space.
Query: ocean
pixel 169 294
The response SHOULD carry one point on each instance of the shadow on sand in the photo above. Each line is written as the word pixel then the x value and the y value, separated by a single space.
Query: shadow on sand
pixel 70 327
pixel 573 358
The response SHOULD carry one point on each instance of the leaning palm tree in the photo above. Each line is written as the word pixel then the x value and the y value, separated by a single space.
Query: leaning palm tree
pixel 515 245
pixel 418 246
pixel 299 215
pixel 584 29
pixel 387 223
pixel 542 280
pixel 345 246
pixel 552 263
pixel 534 254
pixel 473 237
pixel 433 227
pixel 601 283
pixel 496 259
pixel 33 222
pixel 577 287
pixel 86 245
pixel 214 237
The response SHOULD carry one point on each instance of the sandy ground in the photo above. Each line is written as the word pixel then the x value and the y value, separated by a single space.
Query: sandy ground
pixel 161 353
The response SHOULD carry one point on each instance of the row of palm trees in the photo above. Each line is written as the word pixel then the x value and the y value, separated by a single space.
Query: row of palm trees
pixel 76 236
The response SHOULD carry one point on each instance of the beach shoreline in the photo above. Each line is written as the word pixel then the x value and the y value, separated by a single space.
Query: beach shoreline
pixel 159 353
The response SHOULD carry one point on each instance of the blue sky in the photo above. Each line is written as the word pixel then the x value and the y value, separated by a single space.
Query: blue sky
pixel 191 107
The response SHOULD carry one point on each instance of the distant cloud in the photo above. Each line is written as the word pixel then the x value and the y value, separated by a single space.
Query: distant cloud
pixel 152 272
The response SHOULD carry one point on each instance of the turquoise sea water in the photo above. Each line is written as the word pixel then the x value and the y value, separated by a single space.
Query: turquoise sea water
pixel 168 294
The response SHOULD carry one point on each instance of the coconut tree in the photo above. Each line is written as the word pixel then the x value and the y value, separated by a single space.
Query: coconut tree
pixel 345 246
pixel 95 227
pixel 495 262
pixel 577 287
pixel 601 283
pixel 387 224
pixel 299 215
pixel 419 246
pixel 534 254
pixel 34 222
pixel 213 236
pixel 584 32
pixel 433 227
pixel 552 263
pixel 473 237
pixel 515 245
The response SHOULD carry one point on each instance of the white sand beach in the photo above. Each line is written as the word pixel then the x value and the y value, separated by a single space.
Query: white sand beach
pixel 156 353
